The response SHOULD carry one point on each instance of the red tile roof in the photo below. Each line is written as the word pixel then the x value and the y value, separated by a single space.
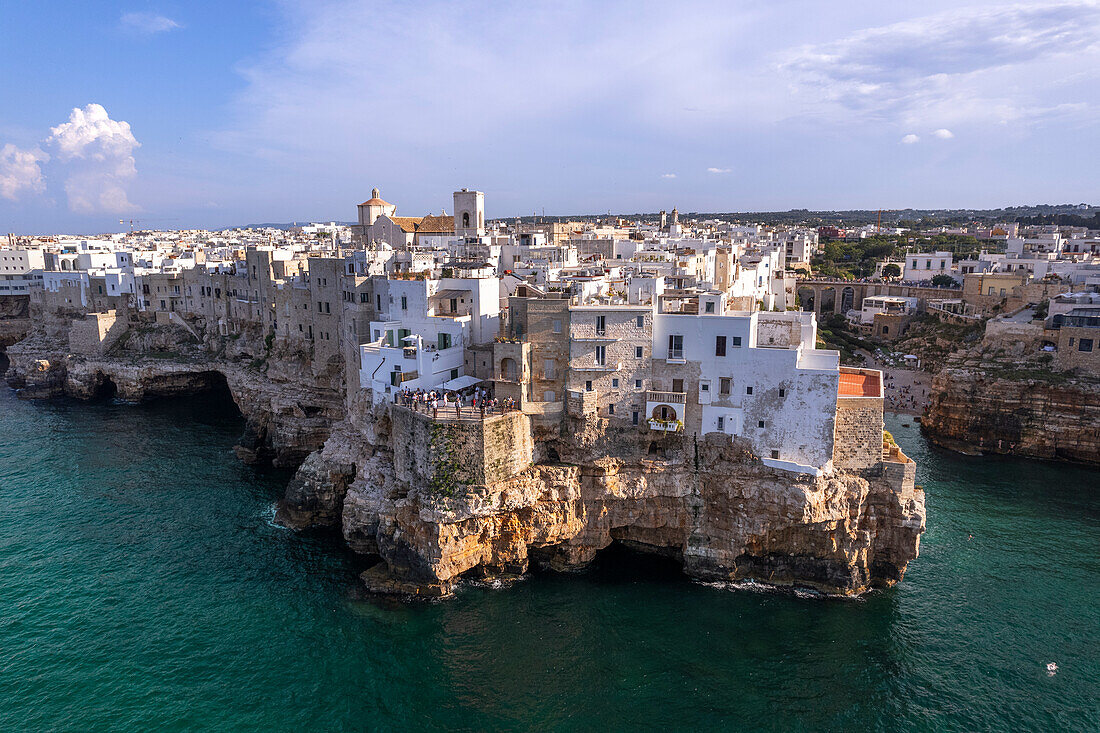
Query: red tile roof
pixel 859 384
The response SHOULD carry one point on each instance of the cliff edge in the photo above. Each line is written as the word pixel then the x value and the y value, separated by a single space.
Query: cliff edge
pixel 438 500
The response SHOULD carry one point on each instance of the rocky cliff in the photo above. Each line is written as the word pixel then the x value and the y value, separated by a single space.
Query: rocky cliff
pixel 1024 413
pixel 289 410
pixel 439 501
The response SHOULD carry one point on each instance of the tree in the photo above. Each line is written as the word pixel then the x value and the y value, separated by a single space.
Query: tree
pixel 891 270
pixel 944 281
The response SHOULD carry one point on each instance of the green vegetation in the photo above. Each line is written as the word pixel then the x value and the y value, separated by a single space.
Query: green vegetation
pixel 944 281
pixel 445 481
pixel 833 334
pixel 849 260
pixel 891 270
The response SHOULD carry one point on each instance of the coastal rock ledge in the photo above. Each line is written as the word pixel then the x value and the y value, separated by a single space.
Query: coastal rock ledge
pixel 435 501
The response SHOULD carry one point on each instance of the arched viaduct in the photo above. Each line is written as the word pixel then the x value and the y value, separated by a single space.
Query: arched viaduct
pixel 825 297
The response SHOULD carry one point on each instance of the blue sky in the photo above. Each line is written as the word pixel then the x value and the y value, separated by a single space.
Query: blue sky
pixel 208 114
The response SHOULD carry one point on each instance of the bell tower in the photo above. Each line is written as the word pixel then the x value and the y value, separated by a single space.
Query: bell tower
pixel 469 213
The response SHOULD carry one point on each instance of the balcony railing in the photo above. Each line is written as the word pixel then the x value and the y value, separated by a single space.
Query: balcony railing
pixel 675 398
pixel 665 426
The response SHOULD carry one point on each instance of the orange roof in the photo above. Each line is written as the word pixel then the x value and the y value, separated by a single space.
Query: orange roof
pixel 858 384
pixel 407 223
pixel 375 202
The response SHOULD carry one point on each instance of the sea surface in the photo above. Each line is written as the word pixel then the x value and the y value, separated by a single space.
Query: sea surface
pixel 143 586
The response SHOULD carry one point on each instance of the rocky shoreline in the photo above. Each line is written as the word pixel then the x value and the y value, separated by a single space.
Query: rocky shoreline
pixel 434 503
pixel 980 411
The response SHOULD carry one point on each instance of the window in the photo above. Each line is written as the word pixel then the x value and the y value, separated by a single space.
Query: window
pixel 320 308
pixel 634 417
pixel 775 454
pixel 704 387
pixel 737 342
pixel 601 325
pixel 1084 344
pixel 615 383
pixel 677 385
pixel 638 352
pixel 709 307
pixel 641 321
pixel 588 386
pixel 748 390
pixel 601 355
pixel 557 326
pixel 719 345
pixel 549 369
pixel 404 303
pixel 886 329
pixel 675 346
pixel 759 423
pixel 725 384
pixel 328 309
pixel 637 384
pixel 782 392
pixel 721 422
pixel 611 409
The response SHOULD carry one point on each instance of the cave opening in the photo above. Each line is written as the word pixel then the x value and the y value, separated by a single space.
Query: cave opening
pixel 105 387
pixel 622 561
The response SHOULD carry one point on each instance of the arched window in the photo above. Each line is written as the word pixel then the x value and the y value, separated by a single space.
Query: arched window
pixel 508 369
pixel 465 219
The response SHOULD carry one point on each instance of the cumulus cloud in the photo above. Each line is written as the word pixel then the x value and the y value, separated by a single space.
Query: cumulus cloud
pixel 979 64
pixel 943 134
pixel 20 171
pixel 668 175
pixel 910 139
pixel 719 170
pixel 149 23
pixel 97 154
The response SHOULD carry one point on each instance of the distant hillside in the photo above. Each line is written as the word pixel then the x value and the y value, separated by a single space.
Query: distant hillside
pixel 1064 214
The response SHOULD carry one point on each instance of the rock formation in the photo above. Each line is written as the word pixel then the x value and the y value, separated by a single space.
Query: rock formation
pixel 1030 414
pixel 289 411
pixel 438 501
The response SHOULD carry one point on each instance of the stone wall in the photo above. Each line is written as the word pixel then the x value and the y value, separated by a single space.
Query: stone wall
pixel 857 444
pixel 94 334
pixel 445 453
pixel 1070 354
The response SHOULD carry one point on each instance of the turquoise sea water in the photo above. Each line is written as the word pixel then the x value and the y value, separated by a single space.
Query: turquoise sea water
pixel 144 587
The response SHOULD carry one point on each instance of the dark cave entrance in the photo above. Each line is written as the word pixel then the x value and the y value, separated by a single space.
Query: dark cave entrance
pixel 105 388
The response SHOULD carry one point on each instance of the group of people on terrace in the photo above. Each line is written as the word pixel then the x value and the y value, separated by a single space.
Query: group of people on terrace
pixel 435 401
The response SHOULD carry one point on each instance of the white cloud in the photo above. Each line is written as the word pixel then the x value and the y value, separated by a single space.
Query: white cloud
pixel 20 171
pixel 943 134
pixel 910 139
pixel 97 153
pixel 967 65
pixel 719 170
pixel 668 175
pixel 149 23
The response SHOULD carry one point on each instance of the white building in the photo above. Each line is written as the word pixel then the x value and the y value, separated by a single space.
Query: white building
pixel 923 266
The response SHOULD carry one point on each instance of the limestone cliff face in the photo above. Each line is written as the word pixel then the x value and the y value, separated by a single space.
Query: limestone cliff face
pixel 976 410
pixel 289 411
pixel 440 502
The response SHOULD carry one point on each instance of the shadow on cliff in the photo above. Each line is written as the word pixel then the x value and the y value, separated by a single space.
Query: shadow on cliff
pixel 619 562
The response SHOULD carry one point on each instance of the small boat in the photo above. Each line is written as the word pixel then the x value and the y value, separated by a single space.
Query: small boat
pixel 1051 668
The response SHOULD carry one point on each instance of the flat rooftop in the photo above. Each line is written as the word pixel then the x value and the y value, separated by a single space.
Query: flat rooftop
pixel 860 383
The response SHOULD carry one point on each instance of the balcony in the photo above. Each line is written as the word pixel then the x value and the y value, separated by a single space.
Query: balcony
pixel 672 398
pixel 665 426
